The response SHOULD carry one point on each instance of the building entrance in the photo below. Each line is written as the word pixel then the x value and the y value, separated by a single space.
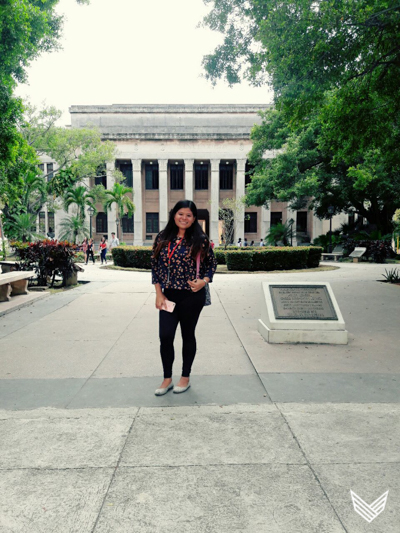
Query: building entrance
pixel 203 218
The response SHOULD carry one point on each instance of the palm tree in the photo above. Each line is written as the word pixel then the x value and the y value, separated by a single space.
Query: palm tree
pixel 124 204
pixel 80 197
pixel 280 233
pixel 23 227
pixel 72 228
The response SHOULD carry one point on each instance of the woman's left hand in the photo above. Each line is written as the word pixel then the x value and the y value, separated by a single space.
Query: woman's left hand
pixel 197 284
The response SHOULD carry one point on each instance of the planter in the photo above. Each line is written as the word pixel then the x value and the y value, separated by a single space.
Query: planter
pixel 72 279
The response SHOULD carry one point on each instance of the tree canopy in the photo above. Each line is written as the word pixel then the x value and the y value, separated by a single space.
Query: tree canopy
pixel 27 29
pixel 334 66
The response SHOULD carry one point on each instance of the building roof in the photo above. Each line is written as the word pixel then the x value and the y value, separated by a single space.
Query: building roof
pixel 169 121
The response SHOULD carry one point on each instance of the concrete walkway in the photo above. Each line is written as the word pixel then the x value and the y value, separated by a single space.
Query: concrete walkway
pixel 269 438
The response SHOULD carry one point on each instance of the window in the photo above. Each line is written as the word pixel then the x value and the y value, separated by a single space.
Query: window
pixel 50 218
pixel 250 223
pixel 151 176
pixel 42 222
pixel 276 218
pixel 101 223
pixel 301 221
pixel 226 176
pixel 176 174
pixel 101 176
pixel 152 223
pixel 49 171
pixel 127 224
pixel 125 167
pixel 249 171
pixel 201 176
pixel 41 168
pixel 101 180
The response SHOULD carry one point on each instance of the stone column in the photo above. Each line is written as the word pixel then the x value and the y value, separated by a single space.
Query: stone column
pixel 189 179
pixel 317 228
pixel 112 213
pixel 240 192
pixel 290 214
pixel 163 191
pixel 214 201
pixel 265 221
pixel 137 200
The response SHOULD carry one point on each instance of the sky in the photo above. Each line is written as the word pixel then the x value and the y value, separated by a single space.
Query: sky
pixel 132 52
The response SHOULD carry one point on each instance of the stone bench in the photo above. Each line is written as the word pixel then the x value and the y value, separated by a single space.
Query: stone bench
pixel 336 253
pixel 14 283
pixel 8 266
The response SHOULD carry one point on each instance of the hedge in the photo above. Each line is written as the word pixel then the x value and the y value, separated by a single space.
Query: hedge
pixel 132 256
pixel 267 258
pixel 274 258
pixel 314 256
pixel 236 260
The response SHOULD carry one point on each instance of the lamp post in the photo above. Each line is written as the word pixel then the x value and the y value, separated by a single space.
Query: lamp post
pixel 117 222
pixel 91 213
pixel 331 210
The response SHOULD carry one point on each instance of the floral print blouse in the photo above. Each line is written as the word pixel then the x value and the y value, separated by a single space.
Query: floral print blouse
pixel 182 265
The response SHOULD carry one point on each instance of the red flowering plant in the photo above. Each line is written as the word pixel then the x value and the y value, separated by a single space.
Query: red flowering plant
pixel 48 258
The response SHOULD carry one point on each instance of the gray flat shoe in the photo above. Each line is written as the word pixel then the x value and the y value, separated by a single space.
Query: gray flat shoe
pixel 178 390
pixel 161 392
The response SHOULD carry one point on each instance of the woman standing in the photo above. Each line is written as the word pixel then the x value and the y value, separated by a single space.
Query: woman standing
pixel 90 249
pixel 85 249
pixel 103 250
pixel 176 251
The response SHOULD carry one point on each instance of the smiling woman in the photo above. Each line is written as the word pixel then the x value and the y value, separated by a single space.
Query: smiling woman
pixel 183 263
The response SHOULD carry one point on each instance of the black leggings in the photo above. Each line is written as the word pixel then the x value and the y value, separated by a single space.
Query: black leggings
pixel 187 311
pixel 89 255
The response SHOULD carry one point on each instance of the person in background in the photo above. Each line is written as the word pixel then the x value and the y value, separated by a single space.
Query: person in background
pixel 239 243
pixel 114 241
pixel 103 250
pixel 90 251
pixel 212 244
pixel 245 242
pixel 262 242
pixel 85 249
pixel 252 243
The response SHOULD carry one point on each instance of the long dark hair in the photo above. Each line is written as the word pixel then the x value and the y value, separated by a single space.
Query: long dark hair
pixel 194 236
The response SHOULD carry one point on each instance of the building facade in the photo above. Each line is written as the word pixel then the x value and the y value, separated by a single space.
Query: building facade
pixel 173 152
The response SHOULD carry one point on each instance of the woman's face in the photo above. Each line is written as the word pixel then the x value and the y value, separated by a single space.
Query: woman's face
pixel 184 218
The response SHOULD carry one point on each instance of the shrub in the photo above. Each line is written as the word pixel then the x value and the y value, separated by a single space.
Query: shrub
pixel 378 250
pixel 220 256
pixel 239 260
pixel 280 258
pixel 48 258
pixel 132 256
pixel 392 276
pixel 314 256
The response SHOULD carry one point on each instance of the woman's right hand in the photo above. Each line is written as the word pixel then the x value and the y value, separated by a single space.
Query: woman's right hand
pixel 160 299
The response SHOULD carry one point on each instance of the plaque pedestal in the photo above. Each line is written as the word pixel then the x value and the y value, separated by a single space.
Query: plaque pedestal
pixel 304 312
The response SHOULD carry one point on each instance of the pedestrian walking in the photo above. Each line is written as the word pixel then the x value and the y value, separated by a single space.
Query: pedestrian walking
pixel 114 241
pixel 252 243
pixel 183 263
pixel 103 250
pixel 239 243
pixel 262 242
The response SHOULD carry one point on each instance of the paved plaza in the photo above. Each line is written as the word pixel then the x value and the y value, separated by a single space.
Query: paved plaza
pixel 269 438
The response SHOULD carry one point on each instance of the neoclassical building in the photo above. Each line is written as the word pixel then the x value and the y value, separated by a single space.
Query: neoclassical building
pixel 171 152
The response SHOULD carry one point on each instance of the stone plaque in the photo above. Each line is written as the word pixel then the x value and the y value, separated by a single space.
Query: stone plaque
pixel 302 302
pixel 358 252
